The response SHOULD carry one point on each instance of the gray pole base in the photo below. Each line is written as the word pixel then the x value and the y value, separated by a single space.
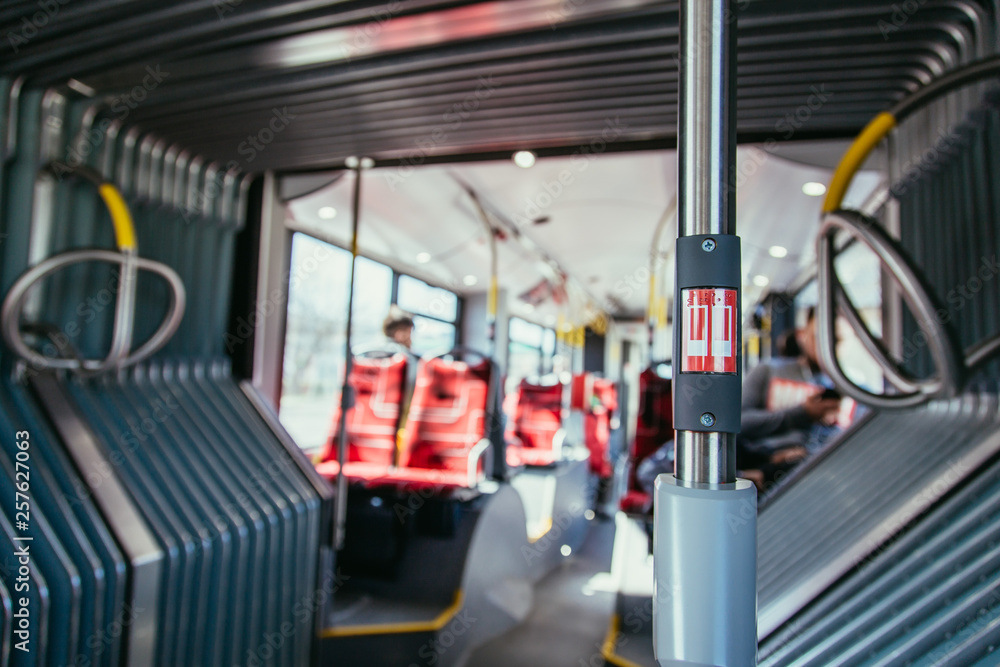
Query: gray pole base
pixel 705 560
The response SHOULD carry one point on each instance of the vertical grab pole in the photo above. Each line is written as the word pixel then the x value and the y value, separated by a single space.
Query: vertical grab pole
pixel 492 295
pixel 346 394
pixel 705 542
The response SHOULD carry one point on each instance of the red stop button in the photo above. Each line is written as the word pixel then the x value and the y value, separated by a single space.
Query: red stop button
pixel 708 331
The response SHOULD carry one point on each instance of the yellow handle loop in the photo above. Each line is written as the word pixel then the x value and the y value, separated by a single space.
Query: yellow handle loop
pixel 855 156
pixel 120 216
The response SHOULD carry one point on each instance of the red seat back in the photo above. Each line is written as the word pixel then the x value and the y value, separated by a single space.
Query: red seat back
pixel 447 414
pixel 656 419
pixel 581 391
pixel 372 422
pixel 607 393
pixel 597 426
pixel 538 414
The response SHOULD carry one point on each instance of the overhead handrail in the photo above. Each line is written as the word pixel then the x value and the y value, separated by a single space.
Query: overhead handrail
pixel 120 355
pixel 952 364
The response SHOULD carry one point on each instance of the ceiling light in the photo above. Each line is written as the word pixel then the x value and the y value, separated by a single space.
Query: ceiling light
pixel 524 159
pixel 470 280
pixel 778 251
pixel 760 281
pixel 813 189
pixel 565 550
pixel 423 257
pixel 327 213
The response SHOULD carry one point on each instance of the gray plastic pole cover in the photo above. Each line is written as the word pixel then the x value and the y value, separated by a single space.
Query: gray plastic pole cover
pixel 705 562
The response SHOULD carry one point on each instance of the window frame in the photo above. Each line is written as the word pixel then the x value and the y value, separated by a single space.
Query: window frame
pixel 546 360
pixel 459 302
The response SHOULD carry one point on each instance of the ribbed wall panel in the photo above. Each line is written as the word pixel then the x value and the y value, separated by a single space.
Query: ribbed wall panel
pixel 880 477
pixel 72 550
pixel 930 598
pixel 949 210
pixel 239 521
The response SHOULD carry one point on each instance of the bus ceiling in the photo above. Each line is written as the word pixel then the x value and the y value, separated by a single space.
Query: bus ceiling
pixel 297 86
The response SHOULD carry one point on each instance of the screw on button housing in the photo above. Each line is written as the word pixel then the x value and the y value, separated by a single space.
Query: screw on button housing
pixel 708 419
pixel 708 245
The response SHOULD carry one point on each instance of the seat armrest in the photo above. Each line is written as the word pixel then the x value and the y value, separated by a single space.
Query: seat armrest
pixel 475 456
pixel 558 440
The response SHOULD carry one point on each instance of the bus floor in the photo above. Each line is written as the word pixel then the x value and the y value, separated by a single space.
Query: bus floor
pixel 572 609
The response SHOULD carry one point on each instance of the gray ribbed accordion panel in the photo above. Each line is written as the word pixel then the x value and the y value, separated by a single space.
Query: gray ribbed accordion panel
pixel 949 212
pixel 881 476
pixel 77 584
pixel 6 623
pixel 930 598
pixel 238 520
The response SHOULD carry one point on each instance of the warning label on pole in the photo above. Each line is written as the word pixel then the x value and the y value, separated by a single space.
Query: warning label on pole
pixel 708 331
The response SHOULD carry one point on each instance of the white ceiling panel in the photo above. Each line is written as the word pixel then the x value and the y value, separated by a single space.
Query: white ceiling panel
pixel 591 216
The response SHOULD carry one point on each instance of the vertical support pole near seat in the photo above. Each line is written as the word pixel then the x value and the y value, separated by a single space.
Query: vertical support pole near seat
pixel 705 537
pixel 347 392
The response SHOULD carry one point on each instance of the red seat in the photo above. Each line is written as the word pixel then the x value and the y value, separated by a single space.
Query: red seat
pixel 445 436
pixel 581 391
pixel 636 502
pixel 535 429
pixel 374 475
pixel 597 426
pixel 448 415
pixel 372 423
pixel 512 442
pixel 655 427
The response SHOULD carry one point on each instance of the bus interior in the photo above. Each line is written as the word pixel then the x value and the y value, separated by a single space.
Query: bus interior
pixel 216 452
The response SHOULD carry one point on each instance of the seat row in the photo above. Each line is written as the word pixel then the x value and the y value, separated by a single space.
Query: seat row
pixel 441 440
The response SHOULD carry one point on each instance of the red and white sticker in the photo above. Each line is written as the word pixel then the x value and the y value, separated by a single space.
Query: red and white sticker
pixel 708 330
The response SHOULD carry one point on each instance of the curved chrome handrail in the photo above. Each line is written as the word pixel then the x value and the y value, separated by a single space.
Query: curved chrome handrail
pixel 950 365
pixel 120 355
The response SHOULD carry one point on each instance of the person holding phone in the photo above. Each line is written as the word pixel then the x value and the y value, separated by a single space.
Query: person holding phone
pixel 789 406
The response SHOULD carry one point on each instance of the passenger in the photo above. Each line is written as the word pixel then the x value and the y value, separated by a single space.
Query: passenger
pixel 789 410
pixel 398 330
pixel 789 406
pixel 398 327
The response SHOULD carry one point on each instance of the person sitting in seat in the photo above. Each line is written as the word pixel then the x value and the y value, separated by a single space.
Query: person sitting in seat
pixel 398 327
pixel 789 406
pixel 789 409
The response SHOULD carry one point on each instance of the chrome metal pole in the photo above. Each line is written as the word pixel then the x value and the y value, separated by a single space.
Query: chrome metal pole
pixel 706 152
pixel 704 536
pixel 346 394
pixel 706 140
pixel 705 458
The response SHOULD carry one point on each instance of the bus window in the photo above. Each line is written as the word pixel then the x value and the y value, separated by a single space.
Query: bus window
pixel 435 313
pixel 372 298
pixel 430 335
pixel 313 366
pixel 861 274
pixel 530 351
